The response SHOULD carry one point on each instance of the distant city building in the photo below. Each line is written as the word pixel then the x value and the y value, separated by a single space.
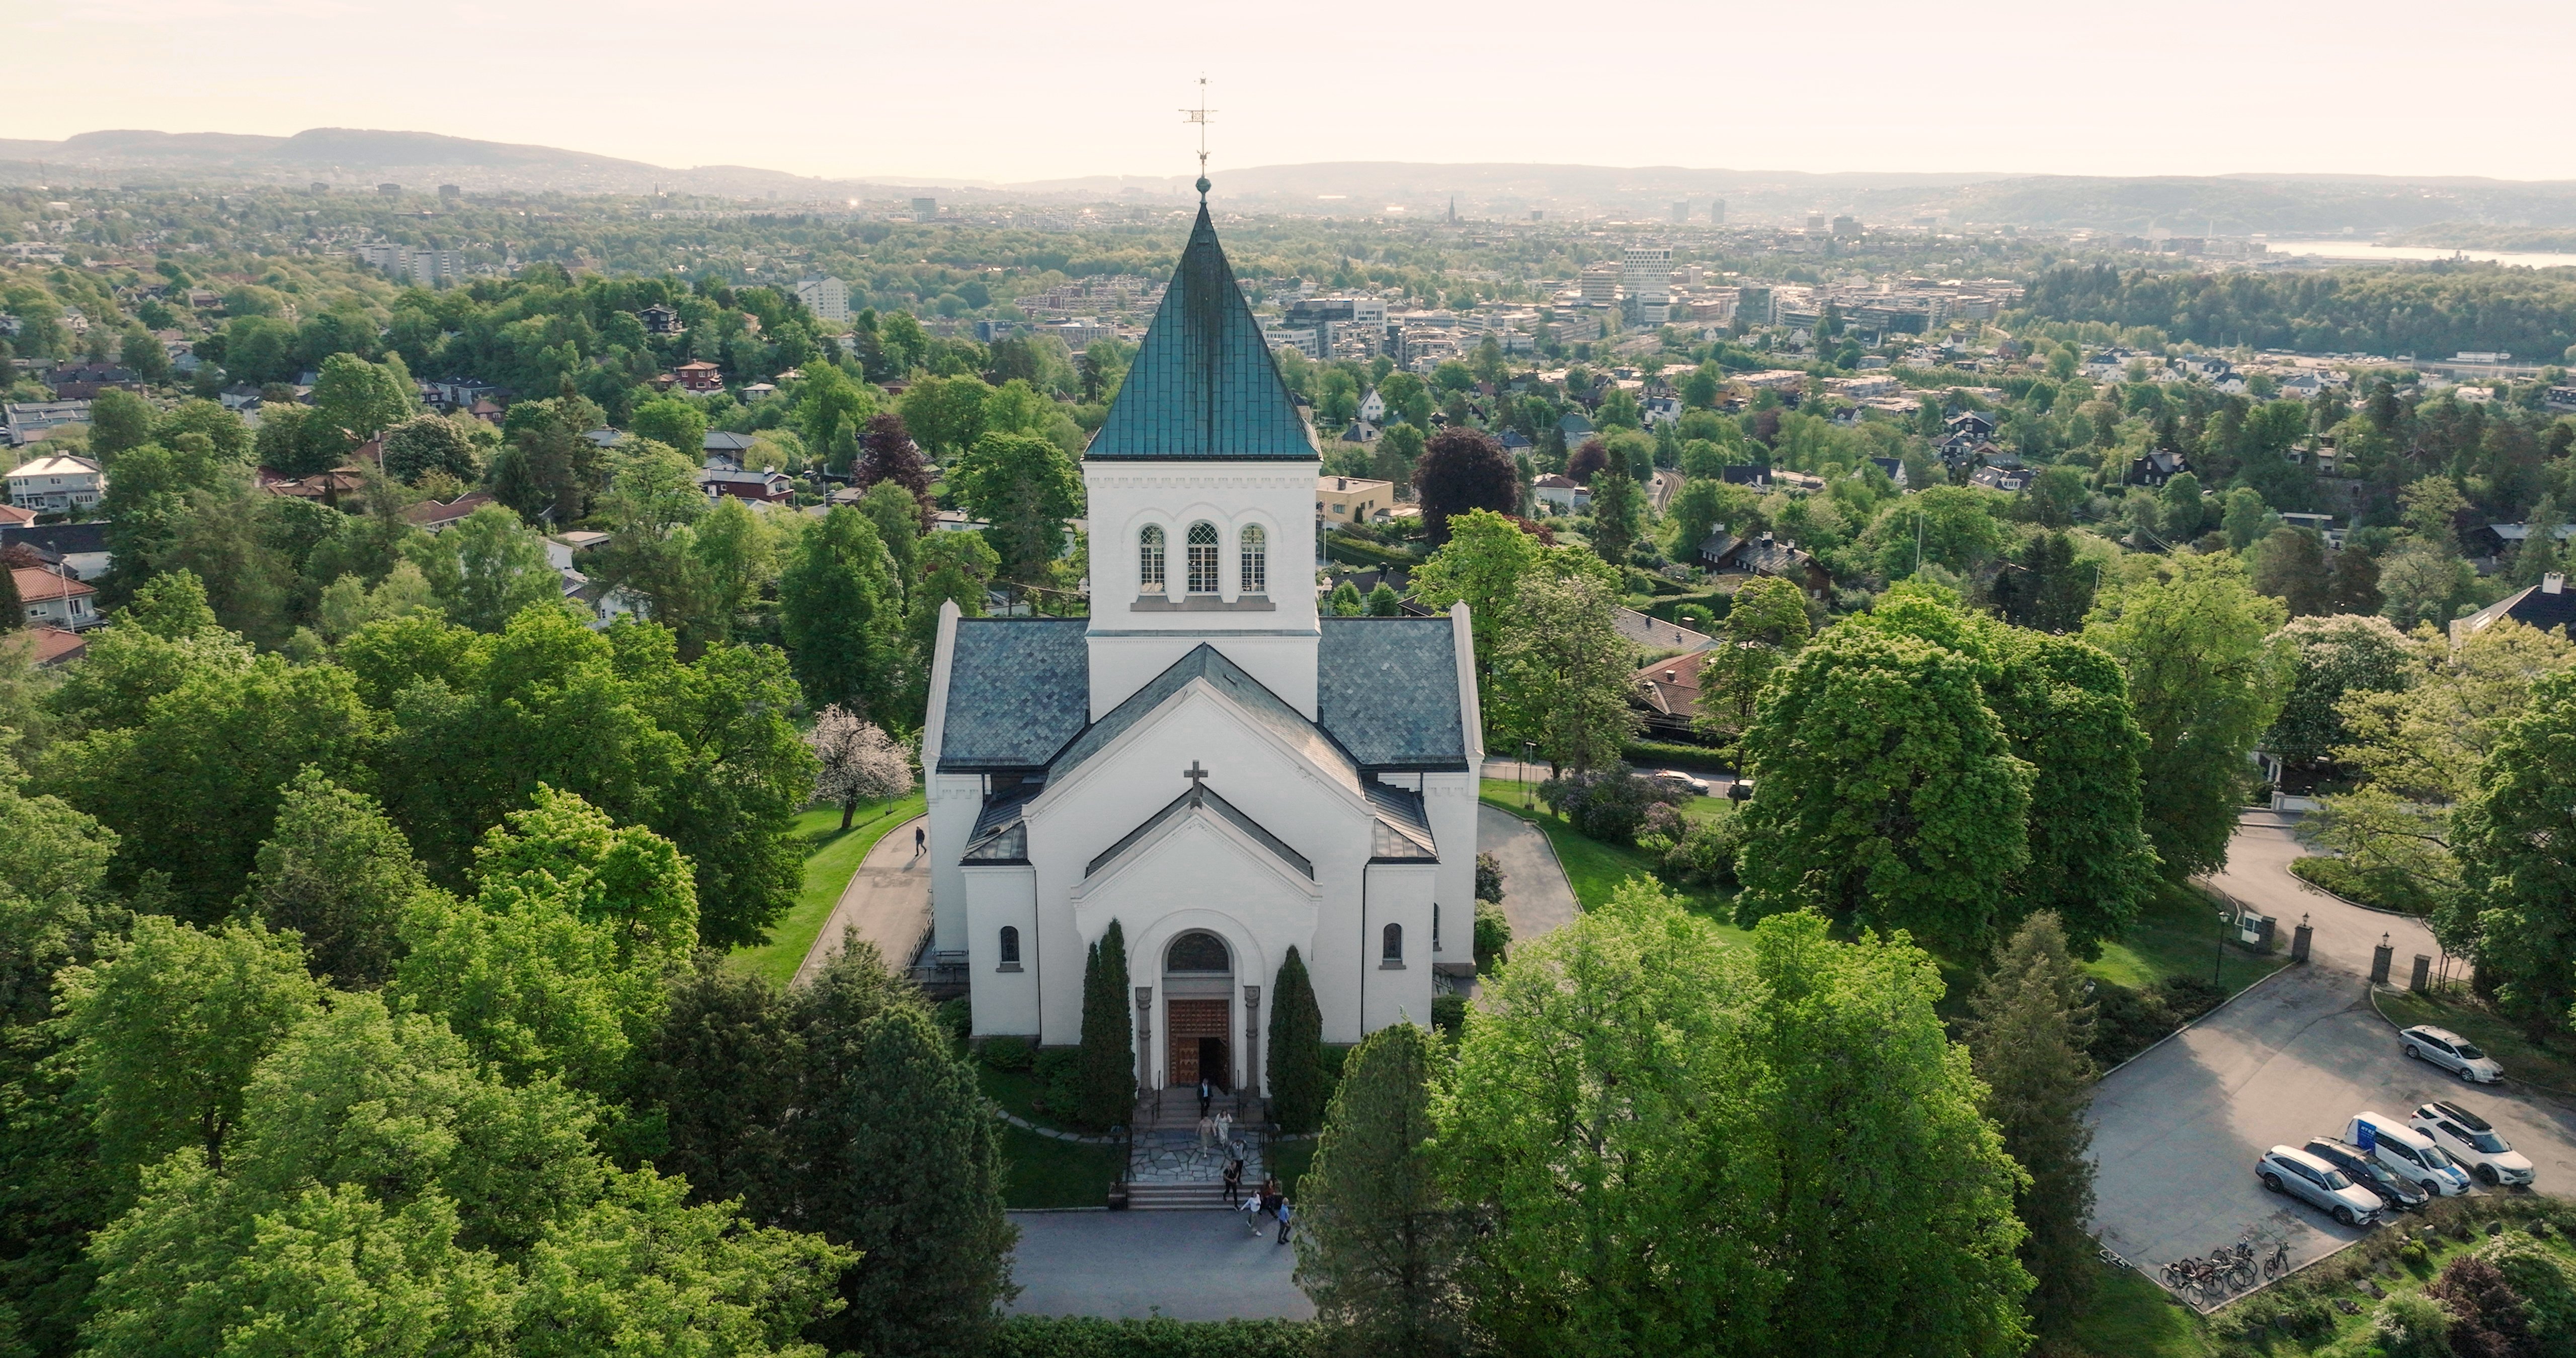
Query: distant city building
pixel 1815 223
pixel 428 268
pixel 389 190
pixel 1681 213
pixel 321 187
pixel 1645 275
pixel 1717 212
pixel 925 209
pixel 1846 226
pixel 1601 285
pixel 828 298
pixel 449 193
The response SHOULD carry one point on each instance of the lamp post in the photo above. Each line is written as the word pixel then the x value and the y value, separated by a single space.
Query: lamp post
pixel 1529 754
pixel 2219 959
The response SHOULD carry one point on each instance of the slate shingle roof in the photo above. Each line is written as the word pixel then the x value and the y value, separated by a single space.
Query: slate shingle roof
pixel 1204 386
pixel 1388 691
pixel 1207 662
pixel 1018 689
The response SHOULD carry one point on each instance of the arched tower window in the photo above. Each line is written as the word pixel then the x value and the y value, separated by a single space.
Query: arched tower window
pixel 1010 946
pixel 1203 558
pixel 1149 560
pixel 1198 951
pixel 1256 560
pixel 1393 947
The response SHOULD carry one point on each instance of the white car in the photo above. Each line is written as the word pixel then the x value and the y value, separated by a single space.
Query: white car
pixel 2473 1141
pixel 2451 1052
pixel 2409 1152
pixel 1681 782
pixel 2286 1169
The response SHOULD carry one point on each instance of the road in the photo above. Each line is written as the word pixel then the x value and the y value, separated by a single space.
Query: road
pixel 2176 1131
pixel 1536 896
pixel 887 902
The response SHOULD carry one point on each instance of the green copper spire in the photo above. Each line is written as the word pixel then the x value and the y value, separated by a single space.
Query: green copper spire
pixel 1204 386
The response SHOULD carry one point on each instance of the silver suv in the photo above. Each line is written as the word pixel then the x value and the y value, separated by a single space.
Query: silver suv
pixel 2285 1169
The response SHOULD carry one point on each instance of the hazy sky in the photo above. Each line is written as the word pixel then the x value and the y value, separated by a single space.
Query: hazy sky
pixel 1019 90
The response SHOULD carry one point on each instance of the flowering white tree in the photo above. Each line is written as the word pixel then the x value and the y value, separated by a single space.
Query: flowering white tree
pixel 859 761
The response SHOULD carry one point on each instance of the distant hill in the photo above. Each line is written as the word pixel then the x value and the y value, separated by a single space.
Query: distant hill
pixel 2273 204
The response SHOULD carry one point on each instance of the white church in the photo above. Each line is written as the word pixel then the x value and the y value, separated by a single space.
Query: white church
pixel 1204 758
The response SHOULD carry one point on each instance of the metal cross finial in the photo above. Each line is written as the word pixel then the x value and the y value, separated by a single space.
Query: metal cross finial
pixel 1199 115
pixel 1197 777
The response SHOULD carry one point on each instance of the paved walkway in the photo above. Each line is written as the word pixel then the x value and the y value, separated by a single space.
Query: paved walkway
pixel 2258 873
pixel 887 902
pixel 1536 896
pixel 1185 1265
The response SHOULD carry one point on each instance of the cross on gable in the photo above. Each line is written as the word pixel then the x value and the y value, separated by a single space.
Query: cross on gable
pixel 1197 777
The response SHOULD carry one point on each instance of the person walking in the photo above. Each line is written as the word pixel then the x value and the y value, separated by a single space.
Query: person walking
pixel 1283 1221
pixel 1207 1132
pixel 1224 1128
pixel 1233 1181
pixel 1207 1094
pixel 920 841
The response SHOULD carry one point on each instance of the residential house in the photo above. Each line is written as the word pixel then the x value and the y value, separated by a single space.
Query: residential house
pixel 700 377
pixel 1360 431
pixel 2547 606
pixel 1747 474
pixel 561 548
pixel 1575 428
pixel 84 381
pixel 660 320
pixel 434 516
pixel 1655 634
pixel 56 598
pixel 1352 499
pixel 728 449
pixel 2156 468
pixel 51 647
pixel 1373 407
pixel 57 484
pixel 604 437
pixel 2013 480
pixel 1727 554
pixel 11 516
pixel 1668 692
pixel 24 422
pixel 766 486
pixel 80 548
pixel 1660 410
pixel 1894 467
pixel 1562 492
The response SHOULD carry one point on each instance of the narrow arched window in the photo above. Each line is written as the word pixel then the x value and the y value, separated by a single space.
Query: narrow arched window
pixel 1393 949
pixel 1010 946
pixel 1202 558
pixel 1256 560
pixel 1149 560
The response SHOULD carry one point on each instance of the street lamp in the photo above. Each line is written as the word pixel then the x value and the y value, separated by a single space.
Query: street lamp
pixel 2219 959
pixel 1529 754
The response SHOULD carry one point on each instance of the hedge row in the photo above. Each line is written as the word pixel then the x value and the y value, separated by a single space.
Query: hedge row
pixel 1092 1337
pixel 1350 551
pixel 1667 752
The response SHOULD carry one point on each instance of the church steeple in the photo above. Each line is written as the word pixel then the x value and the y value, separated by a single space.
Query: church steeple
pixel 1204 386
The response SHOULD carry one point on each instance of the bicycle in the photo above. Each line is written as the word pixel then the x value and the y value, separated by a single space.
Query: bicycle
pixel 2278 1261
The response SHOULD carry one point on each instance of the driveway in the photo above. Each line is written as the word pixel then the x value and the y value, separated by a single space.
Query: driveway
pixel 887 902
pixel 1183 1265
pixel 2176 1131
pixel 1536 896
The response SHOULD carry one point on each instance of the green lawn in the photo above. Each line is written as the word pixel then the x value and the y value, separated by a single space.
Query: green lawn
pixel 1045 1172
pixel 2131 1317
pixel 1596 869
pixel 832 857
pixel 2176 933
pixel 2550 1061
pixel 1288 1161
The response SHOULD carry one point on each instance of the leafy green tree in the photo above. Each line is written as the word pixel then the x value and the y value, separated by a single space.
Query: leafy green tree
pixel 1108 1055
pixel 826 401
pixel 2329 658
pixel 2246 519
pixel 945 413
pixel 671 422
pixel 428 443
pixel 1407 398
pixel 1765 627
pixel 353 401
pixel 487 569
pixel 2354 587
pixel 837 607
pixel 1382 1242
pixel 1561 673
pixel 2206 682
pixel 166 1028
pixel 1660 1130
pixel 2066 705
pixel 2043 586
pixel 2289 564
pixel 1345 601
pixel 955 568
pixel 1947 526
pixel 2031 1030
pixel 1383 602
pixel 548 470
pixel 897 516
pixel 1293 1062
pixel 2519 874
pixel 193 788
pixel 2420 583
pixel 338 874
pixel 1618 514
pixel 1025 487
pixel 900 1157
pixel 118 420
pixel 1398 451
pixel 1885 791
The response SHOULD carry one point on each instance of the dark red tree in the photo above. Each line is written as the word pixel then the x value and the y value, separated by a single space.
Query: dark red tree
pixel 2488 1318
pixel 887 453
pixel 1460 470
pixel 1587 461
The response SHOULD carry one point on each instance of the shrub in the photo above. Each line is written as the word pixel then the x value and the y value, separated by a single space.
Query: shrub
pixel 2487 1316
pixel 2540 1276
pixel 1093 1337
pixel 1661 829
pixel 2409 1325
pixel 1705 855
pixel 1610 807
pixel 956 1017
pixel 2130 1021
pixel 1059 1079
pixel 1489 879
pixel 1493 937
pixel 1007 1053
pixel 1449 1014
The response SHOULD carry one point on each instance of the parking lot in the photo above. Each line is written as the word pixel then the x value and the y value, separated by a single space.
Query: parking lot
pixel 2176 1131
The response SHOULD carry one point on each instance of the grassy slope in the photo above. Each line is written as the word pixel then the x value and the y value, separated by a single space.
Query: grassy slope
pixel 2176 933
pixel 2131 1317
pixel 1595 869
pixel 832 857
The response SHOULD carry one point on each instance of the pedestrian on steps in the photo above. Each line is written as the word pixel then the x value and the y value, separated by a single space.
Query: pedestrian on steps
pixel 1207 1133
pixel 1233 1182
pixel 1207 1094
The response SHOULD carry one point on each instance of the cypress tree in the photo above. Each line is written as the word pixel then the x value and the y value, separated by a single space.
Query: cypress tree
pixel 1381 1245
pixel 1296 1055
pixel 2027 1038
pixel 13 609
pixel 1108 1057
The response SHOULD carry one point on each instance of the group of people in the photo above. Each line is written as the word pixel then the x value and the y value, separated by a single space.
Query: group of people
pixel 1267 1201
pixel 1216 1131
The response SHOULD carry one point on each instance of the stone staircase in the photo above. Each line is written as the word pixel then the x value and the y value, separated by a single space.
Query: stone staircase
pixel 1166 1168
pixel 1180 1197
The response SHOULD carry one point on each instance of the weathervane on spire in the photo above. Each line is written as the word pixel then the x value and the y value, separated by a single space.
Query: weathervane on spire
pixel 1199 115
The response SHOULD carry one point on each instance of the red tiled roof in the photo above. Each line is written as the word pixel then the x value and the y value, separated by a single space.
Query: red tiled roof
pixel 52 645
pixel 36 584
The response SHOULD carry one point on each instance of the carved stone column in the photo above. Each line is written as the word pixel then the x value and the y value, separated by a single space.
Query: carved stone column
pixel 1144 1039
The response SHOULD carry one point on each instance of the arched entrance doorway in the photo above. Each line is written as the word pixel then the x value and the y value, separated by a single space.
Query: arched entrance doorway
pixel 1198 991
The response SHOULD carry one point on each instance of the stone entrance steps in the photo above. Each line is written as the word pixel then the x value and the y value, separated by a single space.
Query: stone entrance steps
pixel 1176 1197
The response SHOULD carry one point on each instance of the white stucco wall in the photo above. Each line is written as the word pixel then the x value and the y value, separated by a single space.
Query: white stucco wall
pixel 1135 636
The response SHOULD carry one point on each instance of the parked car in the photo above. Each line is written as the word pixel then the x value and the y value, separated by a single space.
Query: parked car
pixel 2313 1181
pixel 2358 1165
pixel 1677 781
pixel 2451 1052
pixel 2472 1141
pixel 2409 1152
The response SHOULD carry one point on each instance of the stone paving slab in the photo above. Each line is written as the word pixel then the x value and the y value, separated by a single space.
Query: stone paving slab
pixel 1185 1265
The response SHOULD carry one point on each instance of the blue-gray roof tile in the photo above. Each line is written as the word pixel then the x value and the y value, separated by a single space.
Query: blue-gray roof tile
pixel 1388 691
pixel 1018 689
pixel 1204 386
